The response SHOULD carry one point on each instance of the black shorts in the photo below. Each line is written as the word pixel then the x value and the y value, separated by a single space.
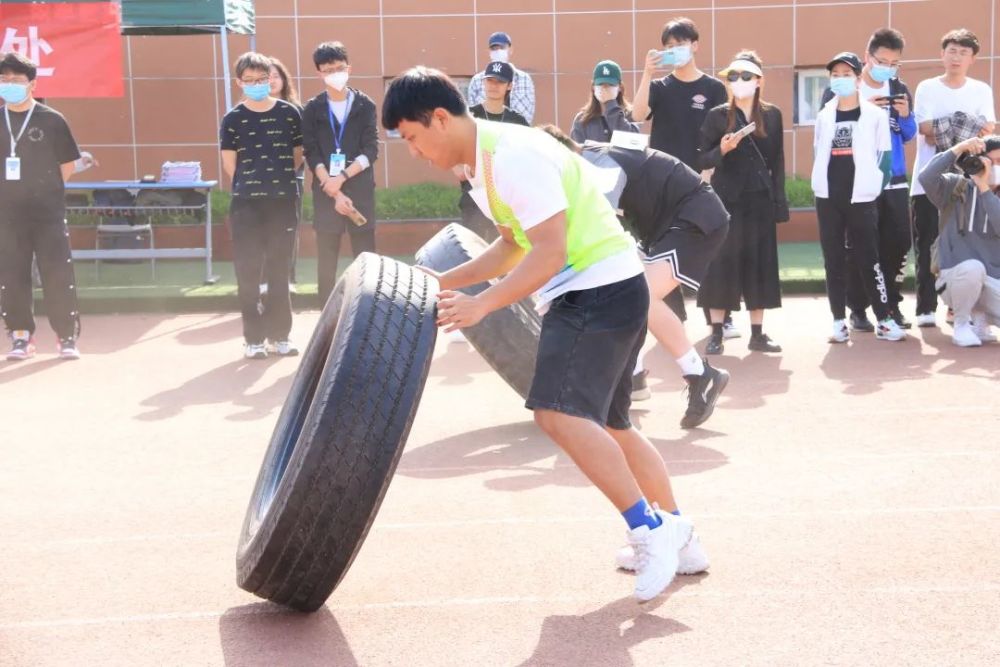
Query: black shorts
pixel 688 250
pixel 589 344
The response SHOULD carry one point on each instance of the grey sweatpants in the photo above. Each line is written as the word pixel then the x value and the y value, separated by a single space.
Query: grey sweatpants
pixel 966 289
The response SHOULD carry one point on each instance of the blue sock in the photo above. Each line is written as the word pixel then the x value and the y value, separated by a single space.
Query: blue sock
pixel 641 514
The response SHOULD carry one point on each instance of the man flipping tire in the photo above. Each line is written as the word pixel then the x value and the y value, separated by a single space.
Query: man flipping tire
pixel 559 237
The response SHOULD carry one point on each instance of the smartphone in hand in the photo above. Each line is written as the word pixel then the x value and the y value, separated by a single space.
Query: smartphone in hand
pixel 745 130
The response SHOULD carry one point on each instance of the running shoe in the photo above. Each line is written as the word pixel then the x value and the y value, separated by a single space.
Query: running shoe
pixel 900 320
pixel 255 351
pixel 68 349
pixel 703 392
pixel 730 331
pixel 887 329
pixel 285 348
pixel 981 327
pixel 640 388
pixel 692 559
pixel 763 343
pixel 657 554
pixel 964 335
pixel 715 344
pixel 926 320
pixel 860 322
pixel 22 346
pixel 840 334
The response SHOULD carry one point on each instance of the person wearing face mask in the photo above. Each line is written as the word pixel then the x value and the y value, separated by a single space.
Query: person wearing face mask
pixel 937 100
pixel 749 177
pixel 607 109
pixel 39 154
pixel 968 245
pixel 522 92
pixel 677 104
pixel 853 164
pixel 340 134
pixel 261 144
pixel 881 86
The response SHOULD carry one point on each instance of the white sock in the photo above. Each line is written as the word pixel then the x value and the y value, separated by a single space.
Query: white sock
pixel 691 363
pixel 638 366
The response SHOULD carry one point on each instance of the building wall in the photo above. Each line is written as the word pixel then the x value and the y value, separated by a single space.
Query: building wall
pixel 174 89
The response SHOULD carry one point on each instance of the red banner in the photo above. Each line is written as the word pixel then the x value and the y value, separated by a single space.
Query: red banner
pixel 76 45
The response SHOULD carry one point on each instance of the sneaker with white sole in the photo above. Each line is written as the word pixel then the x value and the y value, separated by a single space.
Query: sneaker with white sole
pixel 981 326
pixel 692 559
pixel 730 331
pixel 640 388
pixel 925 320
pixel 22 346
pixel 840 332
pixel 964 335
pixel 657 554
pixel 285 348
pixel 255 351
pixel 887 329
pixel 68 349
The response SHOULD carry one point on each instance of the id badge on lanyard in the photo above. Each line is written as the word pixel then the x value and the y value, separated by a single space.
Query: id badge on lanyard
pixel 338 161
pixel 12 166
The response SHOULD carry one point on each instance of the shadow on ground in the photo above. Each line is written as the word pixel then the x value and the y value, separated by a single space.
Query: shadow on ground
pixel 525 451
pixel 605 636
pixel 225 385
pixel 263 635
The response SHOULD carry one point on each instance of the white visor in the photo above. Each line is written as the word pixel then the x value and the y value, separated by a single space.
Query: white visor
pixel 741 65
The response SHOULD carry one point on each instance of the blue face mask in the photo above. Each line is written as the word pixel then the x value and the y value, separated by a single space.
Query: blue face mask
pixel 843 86
pixel 883 73
pixel 257 91
pixel 678 56
pixel 13 93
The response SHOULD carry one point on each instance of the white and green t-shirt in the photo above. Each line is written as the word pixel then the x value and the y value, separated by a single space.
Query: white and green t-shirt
pixel 523 177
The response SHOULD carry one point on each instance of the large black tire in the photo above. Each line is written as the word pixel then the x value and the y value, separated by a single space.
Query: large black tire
pixel 506 338
pixel 340 434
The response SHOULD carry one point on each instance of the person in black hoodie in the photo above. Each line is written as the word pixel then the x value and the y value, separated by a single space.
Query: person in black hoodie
pixel 750 178
pixel 340 137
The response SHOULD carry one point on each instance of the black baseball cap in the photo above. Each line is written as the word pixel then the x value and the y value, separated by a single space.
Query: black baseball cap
pixel 499 71
pixel 849 59
pixel 499 38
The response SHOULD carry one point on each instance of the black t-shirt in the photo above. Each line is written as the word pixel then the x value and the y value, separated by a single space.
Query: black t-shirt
pixel 508 115
pixel 678 109
pixel 840 173
pixel 265 143
pixel 44 147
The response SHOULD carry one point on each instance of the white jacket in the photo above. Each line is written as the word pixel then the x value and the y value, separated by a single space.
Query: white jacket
pixel 872 138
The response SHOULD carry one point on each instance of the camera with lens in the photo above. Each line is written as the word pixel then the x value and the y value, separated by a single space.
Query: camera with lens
pixel 971 165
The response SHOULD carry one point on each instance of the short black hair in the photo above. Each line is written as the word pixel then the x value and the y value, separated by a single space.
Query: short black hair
pixel 992 142
pixel 416 93
pixel 15 63
pixel 329 52
pixel 886 38
pixel 682 29
pixel 252 60
pixel 961 37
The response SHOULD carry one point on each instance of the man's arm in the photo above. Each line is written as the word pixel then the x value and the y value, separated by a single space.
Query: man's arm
pixel 640 103
pixel 498 259
pixel 67 169
pixel 229 163
pixel 935 177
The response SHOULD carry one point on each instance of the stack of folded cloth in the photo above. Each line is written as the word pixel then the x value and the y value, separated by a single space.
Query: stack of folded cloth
pixel 180 172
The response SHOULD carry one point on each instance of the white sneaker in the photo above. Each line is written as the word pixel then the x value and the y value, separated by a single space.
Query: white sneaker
pixel 981 327
pixel 285 348
pixel 656 554
pixel 840 333
pixel 255 351
pixel 22 346
pixel 887 329
pixel 68 349
pixel 964 335
pixel 692 559
pixel 730 331
pixel 925 320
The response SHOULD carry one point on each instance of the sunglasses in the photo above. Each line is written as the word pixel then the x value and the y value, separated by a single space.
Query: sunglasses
pixel 732 77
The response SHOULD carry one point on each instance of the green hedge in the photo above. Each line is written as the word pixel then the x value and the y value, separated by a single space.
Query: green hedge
pixel 420 201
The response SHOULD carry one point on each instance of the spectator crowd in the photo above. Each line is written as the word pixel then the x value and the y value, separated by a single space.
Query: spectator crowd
pixel 872 206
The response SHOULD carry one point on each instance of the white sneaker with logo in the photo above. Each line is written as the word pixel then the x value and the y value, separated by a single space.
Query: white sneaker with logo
pixel 692 559
pixel 22 346
pixel 925 320
pixel 981 327
pixel 887 329
pixel 964 335
pixel 840 332
pixel 730 331
pixel 255 351
pixel 657 554
pixel 285 348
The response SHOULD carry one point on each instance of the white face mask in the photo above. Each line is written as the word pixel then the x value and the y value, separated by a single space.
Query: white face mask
pixel 996 175
pixel 743 89
pixel 612 93
pixel 500 55
pixel 337 80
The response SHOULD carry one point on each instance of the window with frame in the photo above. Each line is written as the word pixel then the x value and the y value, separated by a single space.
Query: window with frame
pixel 809 87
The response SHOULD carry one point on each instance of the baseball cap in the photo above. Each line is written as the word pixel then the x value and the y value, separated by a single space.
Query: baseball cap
pixel 500 38
pixel 499 71
pixel 849 59
pixel 607 71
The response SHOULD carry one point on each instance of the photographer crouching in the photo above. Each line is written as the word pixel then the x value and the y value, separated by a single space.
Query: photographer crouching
pixel 966 256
